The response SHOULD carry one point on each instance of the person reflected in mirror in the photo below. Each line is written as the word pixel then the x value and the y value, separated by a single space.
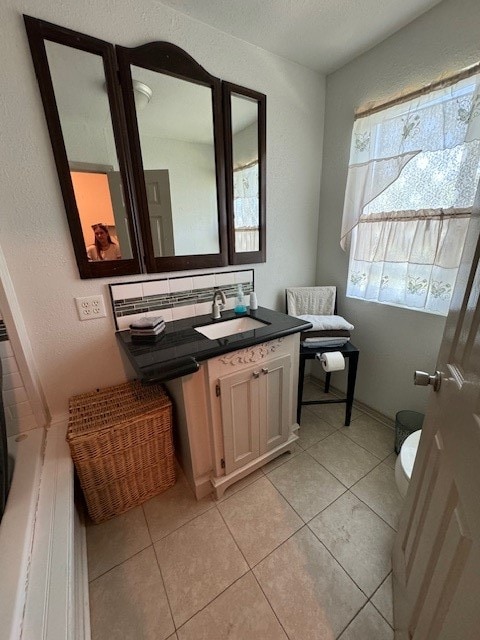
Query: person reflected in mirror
pixel 104 248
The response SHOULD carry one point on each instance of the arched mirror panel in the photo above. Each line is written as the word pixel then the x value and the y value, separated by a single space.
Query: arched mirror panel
pixel 175 128
pixel 76 75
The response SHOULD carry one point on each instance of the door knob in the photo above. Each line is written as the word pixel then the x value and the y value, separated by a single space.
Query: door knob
pixel 256 374
pixel 423 379
pixel 265 370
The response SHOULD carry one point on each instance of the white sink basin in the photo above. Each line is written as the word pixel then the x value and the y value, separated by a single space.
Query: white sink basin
pixel 229 327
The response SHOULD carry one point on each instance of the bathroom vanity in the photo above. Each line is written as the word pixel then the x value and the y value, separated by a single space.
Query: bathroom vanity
pixel 234 392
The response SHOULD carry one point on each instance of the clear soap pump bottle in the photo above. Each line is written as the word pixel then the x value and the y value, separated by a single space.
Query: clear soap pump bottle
pixel 240 306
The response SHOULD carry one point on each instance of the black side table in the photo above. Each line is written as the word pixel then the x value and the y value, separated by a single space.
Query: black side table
pixel 348 351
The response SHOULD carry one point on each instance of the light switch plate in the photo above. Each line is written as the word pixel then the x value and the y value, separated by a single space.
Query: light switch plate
pixel 91 307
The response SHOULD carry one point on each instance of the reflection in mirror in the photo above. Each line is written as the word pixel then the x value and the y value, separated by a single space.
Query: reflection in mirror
pixel 245 137
pixel 178 153
pixel 78 79
pixel 246 185
pixel 177 156
pixel 144 188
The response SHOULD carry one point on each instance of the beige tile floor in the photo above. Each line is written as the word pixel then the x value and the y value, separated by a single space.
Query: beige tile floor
pixel 298 550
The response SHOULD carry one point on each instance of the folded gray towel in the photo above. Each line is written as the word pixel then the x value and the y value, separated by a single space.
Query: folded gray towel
pixel 331 323
pixel 324 342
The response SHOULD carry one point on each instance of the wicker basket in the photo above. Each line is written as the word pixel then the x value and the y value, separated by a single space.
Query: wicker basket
pixel 120 440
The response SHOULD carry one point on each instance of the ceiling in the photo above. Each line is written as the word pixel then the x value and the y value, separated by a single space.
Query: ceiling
pixel 322 35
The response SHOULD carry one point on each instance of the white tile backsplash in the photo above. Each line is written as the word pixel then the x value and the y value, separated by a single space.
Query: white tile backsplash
pixel 165 313
pixel 155 287
pixel 203 308
pixel 203 282
pixel 194 300
pixel 222 279
pixel 243 276
pixel 183 312
pixel 230 304
pixel 127 291
pixel 181 284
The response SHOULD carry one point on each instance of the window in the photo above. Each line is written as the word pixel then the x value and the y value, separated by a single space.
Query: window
pixel 413 173
pixel 246 207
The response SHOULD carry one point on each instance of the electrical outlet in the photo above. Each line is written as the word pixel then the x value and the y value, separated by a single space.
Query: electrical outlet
pixel 90 308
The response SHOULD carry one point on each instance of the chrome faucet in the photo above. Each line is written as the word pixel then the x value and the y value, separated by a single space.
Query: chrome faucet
pixel 218 306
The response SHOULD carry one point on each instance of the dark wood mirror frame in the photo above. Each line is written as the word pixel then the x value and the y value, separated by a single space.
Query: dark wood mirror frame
pixel 168 59
pixel 39 31
pixel 247 257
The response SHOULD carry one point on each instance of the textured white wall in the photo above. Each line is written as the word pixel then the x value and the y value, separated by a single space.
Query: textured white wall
pixel 393 342
pixel 73 356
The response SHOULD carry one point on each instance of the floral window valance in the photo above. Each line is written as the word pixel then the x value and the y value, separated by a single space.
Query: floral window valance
pixel 413 173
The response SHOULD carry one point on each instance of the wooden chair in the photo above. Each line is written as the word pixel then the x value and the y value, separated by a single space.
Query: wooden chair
pixel 321 301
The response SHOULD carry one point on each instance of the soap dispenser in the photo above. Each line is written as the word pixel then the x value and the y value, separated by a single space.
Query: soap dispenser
pixel 240 306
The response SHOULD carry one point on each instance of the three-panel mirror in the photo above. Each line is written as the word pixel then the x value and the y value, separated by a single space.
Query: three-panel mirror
pixel 162 167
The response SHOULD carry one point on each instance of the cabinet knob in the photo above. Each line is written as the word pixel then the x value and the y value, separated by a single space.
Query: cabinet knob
pixel 256 374
pixel 265 370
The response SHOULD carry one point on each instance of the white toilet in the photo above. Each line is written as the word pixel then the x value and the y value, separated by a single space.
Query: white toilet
pixel 405 461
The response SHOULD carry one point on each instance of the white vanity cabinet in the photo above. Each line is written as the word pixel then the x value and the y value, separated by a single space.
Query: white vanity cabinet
pixel 254 408
pixel 236 413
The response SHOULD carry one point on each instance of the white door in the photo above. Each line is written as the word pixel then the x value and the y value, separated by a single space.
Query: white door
pixel 436 557
pixel 157 184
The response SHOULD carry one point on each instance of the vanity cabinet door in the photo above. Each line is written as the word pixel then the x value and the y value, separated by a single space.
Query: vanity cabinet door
pixel 256 409
pixel 239 393
pixel 275 403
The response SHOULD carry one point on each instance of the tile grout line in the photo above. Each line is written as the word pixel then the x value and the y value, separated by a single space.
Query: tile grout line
pixel 212 600
pixel 270 604
pixel 338 561
pixel 119 564
pixel 165 589
pixel 228 586
pixel 374 605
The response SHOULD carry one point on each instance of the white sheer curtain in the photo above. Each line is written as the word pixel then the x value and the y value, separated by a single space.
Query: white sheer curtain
pixel 412 177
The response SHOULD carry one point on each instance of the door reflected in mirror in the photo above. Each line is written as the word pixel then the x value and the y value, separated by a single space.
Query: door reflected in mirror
pixel 178 153
pixel 78 79
pixel 93 190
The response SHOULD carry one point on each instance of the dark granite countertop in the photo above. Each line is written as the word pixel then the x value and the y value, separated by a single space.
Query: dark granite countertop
pixel 178 351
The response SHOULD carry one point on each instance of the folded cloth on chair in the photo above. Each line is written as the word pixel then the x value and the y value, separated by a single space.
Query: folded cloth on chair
pixel 311 299
pixel 330 323
pixel 324 342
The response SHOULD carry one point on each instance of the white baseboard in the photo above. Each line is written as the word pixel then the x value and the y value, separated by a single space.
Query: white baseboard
pixel 56 605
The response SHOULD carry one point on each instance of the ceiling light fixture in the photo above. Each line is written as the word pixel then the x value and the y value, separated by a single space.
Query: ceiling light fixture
pixel 142 94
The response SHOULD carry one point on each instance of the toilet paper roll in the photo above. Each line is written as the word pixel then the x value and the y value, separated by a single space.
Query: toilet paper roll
pixel 332 361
